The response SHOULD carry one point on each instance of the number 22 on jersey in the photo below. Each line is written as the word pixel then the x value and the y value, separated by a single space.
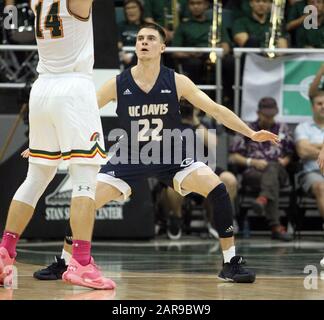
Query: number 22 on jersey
pixel 52 21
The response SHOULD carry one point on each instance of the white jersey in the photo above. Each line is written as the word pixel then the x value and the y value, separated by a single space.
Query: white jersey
pixel 64 40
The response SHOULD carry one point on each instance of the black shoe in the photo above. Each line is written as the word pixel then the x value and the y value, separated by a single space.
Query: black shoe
pixel 234 272
pixel 174 230
pixel 53 271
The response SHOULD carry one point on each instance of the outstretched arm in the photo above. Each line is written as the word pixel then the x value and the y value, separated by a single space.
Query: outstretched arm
pixel 187 89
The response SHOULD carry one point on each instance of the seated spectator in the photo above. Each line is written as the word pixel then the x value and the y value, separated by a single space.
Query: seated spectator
pixel 295 24
pixel 134 18
pixel 196 33
pixel 309 137
pixel 318 82
pixel 172 201
pixel 313 37
pixel 253 31
pixel 265 164
pixel 160 12
pixel 296 16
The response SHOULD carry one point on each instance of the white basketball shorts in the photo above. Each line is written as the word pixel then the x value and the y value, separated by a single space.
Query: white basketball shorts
pixel 64 121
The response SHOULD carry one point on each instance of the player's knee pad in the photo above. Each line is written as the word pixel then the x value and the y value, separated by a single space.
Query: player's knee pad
pixel 222 211
pixel 37 180
pixel 84 180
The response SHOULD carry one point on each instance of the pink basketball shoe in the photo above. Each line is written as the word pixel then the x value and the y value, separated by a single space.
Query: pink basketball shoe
pixel 6 267
pixel 86 276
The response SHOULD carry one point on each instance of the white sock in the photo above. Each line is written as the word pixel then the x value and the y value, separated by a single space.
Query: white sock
pixel 66 256
pixel 229 254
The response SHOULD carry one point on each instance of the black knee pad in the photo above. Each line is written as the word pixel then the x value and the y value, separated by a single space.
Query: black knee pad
pixel 222 211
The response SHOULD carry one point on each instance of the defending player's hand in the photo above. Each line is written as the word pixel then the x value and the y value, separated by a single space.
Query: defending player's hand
pixel 25 154
pixel 320 160
pixel 264 135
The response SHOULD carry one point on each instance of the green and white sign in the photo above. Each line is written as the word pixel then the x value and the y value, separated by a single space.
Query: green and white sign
pixel 298 75
pixel 286 79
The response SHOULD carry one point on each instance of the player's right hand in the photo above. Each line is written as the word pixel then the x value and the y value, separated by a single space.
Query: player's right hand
pixel 264 135
pixel 25 153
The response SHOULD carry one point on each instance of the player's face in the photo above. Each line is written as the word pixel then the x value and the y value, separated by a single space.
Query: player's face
pixel 318 107
pixel 149 44
pixel 260 7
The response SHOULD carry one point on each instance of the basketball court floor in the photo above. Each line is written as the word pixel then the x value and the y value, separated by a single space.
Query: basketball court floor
pixel 187 269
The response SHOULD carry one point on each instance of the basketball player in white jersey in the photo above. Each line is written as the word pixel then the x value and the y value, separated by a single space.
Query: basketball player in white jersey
pixel 64 126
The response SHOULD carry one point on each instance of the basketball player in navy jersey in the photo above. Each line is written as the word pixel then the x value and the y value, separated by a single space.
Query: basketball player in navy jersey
pixel 147 98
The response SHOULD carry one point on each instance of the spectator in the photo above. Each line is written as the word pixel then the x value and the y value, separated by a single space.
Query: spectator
pixel 265 164
pixel 134 18
pixel 253 31
pixel 160 11
pixel 296 15
pixel 300 37
pixel 171 201
pixel 318 82
pixel 309 137
pixel 196 32
pixel 313 37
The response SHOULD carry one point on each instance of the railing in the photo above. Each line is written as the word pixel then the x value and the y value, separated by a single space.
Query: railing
pixel 18 67
pixel 218 66
pixel 238 52
pixel 12 47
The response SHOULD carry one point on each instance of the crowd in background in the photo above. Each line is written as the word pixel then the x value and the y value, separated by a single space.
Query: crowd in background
pixel 244 23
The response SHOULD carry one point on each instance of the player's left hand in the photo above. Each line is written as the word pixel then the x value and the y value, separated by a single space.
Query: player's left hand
pixel 264 135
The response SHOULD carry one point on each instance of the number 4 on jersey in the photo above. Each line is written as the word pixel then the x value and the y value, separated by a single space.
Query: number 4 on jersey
pixel 53 22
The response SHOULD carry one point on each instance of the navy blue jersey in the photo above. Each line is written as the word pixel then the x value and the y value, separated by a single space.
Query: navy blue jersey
pixel 151 121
